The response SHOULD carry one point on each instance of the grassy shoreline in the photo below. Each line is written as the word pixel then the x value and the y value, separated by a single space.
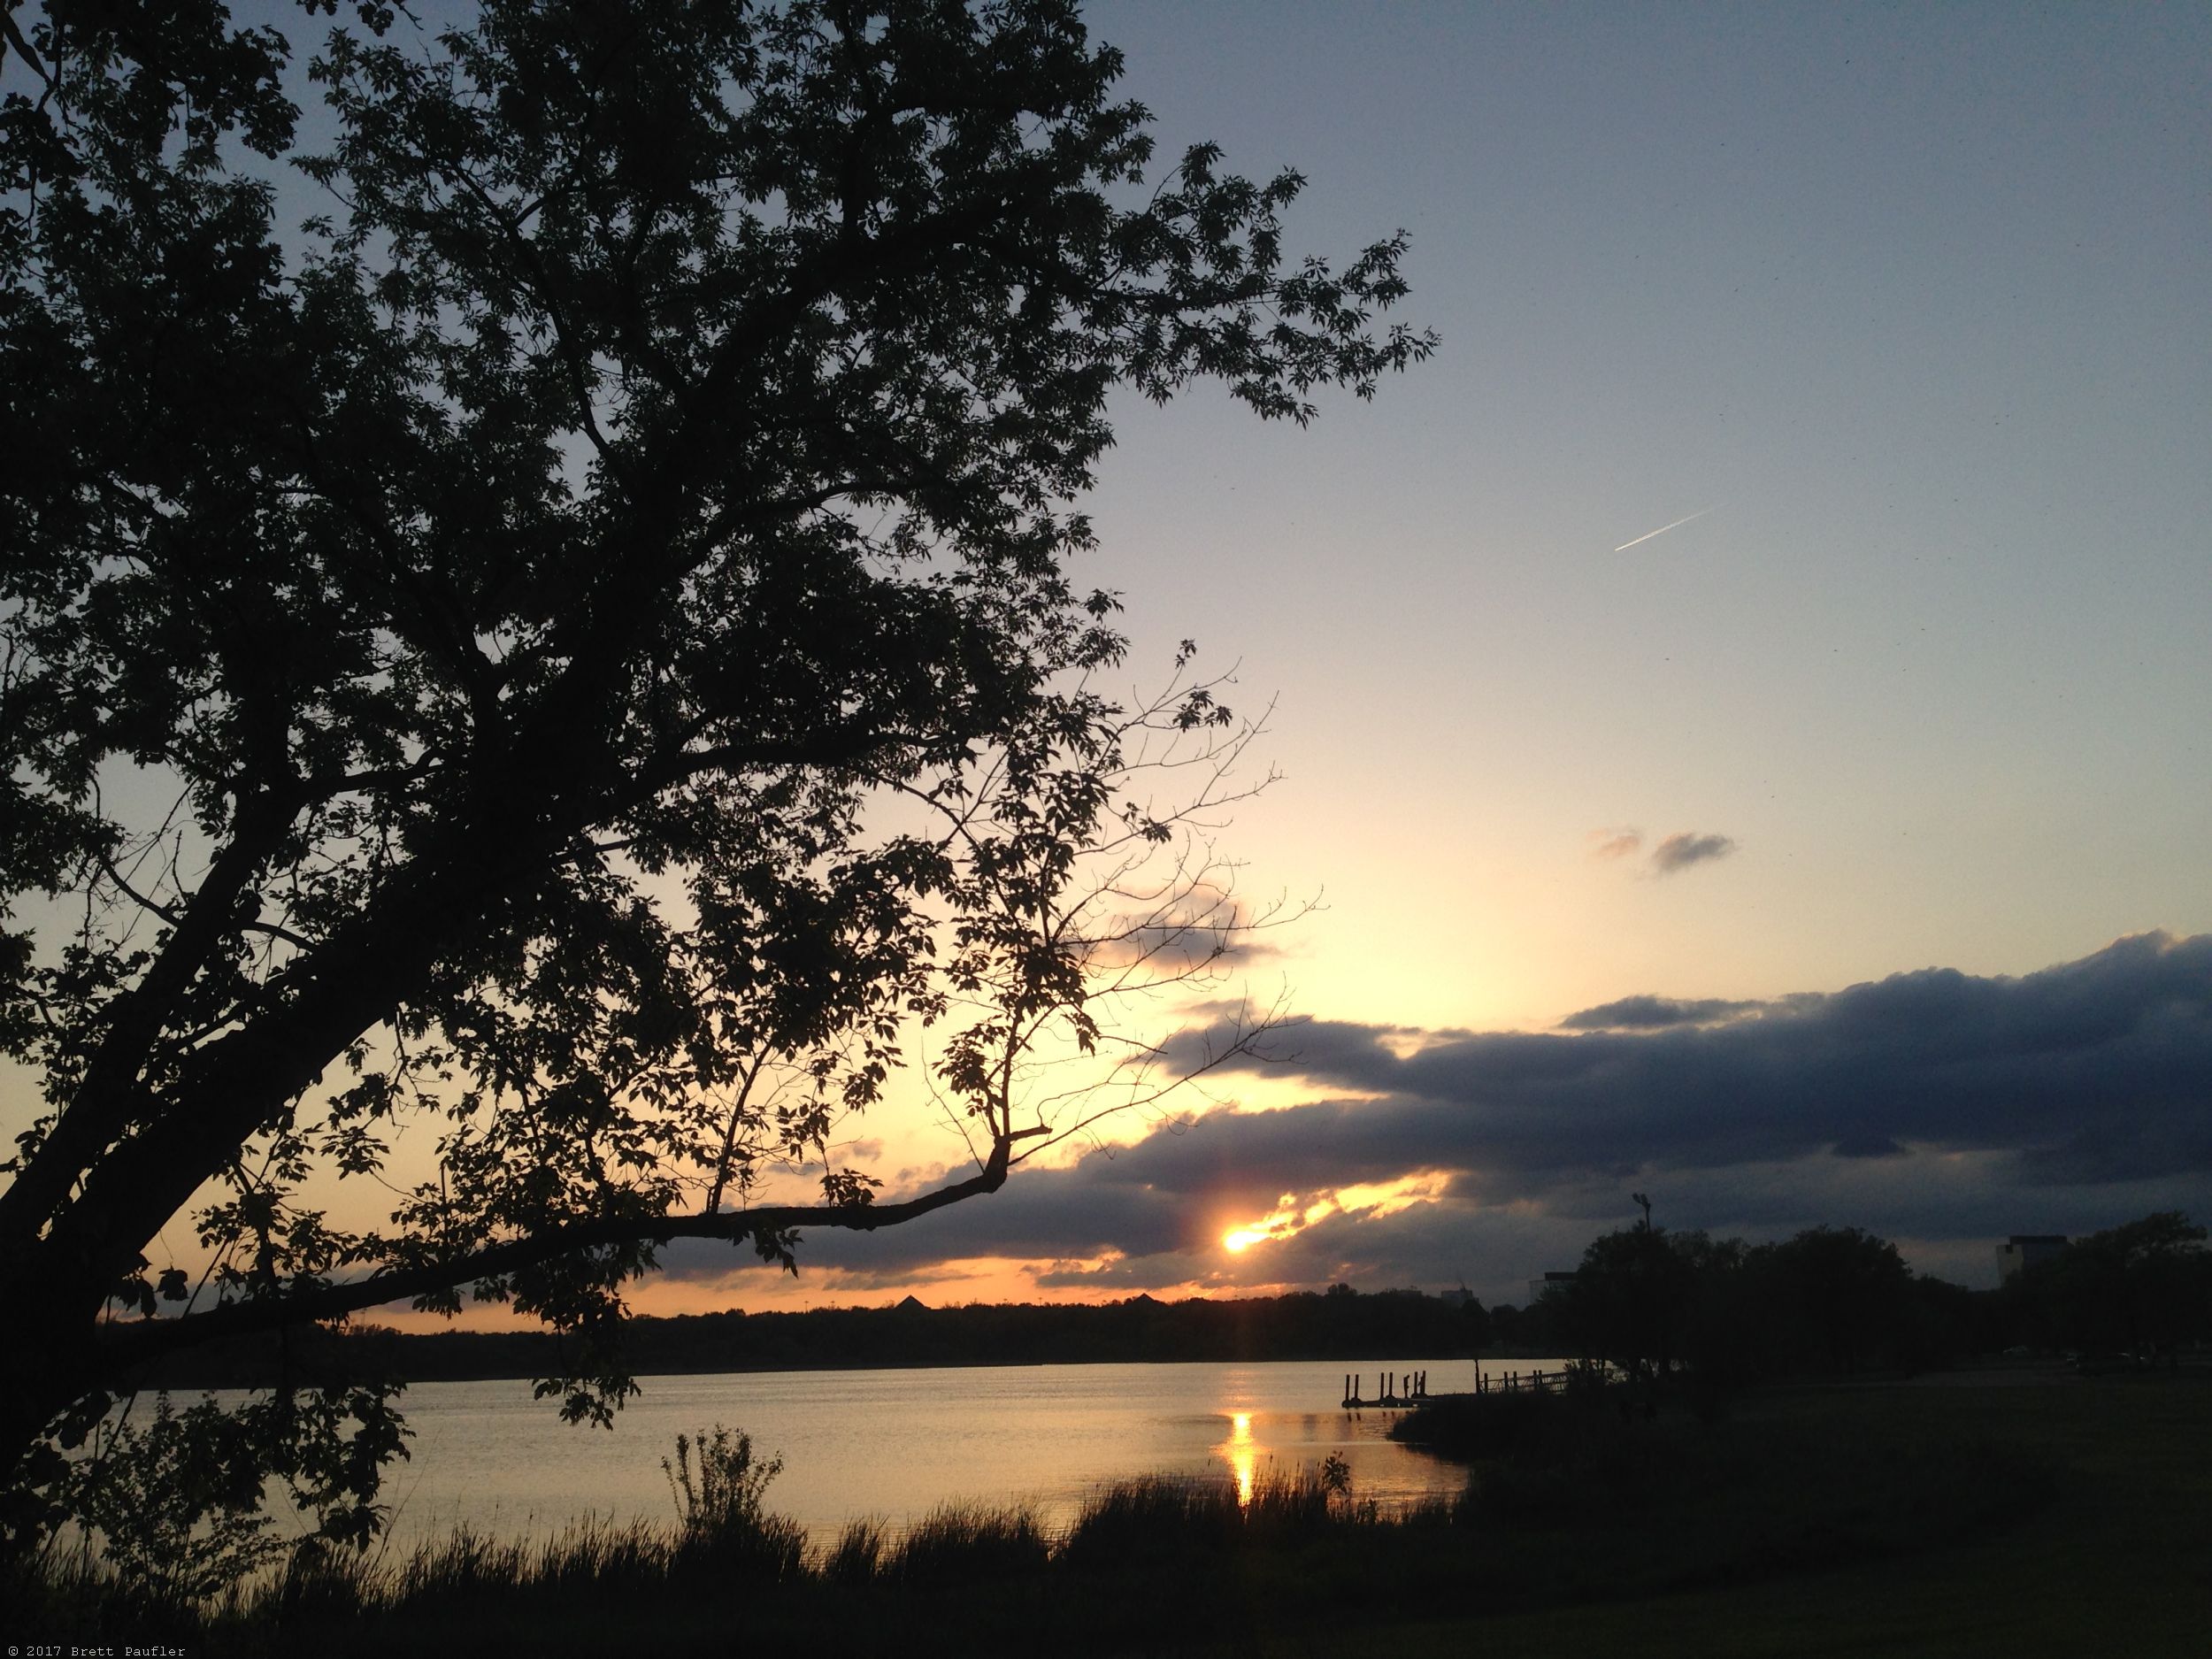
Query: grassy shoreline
pixel 1580 1530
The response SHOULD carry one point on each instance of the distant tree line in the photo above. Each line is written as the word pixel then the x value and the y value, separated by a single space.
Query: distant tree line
pixel 1838 1301
pixel 1337 1324
pixel 1831 1301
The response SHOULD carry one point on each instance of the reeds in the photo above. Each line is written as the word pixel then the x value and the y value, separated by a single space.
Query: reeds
pixel 1608 1507
pixel 726 1545
pixel 966 1544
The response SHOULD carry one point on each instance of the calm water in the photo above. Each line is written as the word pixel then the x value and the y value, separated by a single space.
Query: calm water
pixel 894 1445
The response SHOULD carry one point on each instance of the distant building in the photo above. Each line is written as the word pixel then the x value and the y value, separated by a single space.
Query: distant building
pixel 1458 1298
pixel 2024 1249
pixel 1538 1288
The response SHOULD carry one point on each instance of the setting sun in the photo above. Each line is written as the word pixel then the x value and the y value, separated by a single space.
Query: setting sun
pixel 1294 1214
pixel 1290 1217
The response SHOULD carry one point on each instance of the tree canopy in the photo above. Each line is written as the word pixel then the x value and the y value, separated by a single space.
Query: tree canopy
pixel 1826 1300
pixel 2142 1289
pixel 547 621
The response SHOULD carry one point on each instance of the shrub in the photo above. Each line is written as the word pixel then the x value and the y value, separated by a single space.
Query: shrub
pixel 729 1487
pixel 725 1529
pixel 177 1506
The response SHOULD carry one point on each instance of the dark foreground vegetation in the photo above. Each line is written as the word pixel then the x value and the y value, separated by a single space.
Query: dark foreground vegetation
pixel 1574 1505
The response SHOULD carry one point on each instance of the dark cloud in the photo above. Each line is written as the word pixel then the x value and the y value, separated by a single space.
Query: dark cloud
pixel 2112 1054
pixel 1181 949
pixel 1653 1013
pixel 1680 851
pixel 1931 1105
pixel 907 1276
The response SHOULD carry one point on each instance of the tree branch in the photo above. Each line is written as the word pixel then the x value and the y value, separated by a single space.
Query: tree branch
pixel 125 1345
pixel 14 35
pixel 100 1108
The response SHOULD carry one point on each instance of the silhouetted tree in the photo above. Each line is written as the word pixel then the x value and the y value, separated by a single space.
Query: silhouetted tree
pixel 1851 1291
pixel 1828 1299
pixel 1643 1298
pixel 568 652
pixel 1944 1324
pixel 2142 1287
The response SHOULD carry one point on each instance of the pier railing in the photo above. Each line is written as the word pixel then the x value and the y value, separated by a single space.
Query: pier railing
pixel 1394 1392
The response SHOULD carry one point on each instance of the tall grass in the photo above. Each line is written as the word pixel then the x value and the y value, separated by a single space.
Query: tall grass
pixel 724 1543
pixel 1580 1505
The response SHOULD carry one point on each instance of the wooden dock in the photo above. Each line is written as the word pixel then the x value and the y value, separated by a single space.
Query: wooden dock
pixel 1397 1393
pixel 1393 1392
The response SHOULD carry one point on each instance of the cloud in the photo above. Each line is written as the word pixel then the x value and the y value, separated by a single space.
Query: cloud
pixel 1931 1105
pixel 2103 1066
pixel 1616 843
pixel 1182 949
pixel 1680 851
pixel 1653 1013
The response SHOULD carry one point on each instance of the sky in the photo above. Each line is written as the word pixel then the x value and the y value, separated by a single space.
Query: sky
pixel 1740 707
pixel 1860 798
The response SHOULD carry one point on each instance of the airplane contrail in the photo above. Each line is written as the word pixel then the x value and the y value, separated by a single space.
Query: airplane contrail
pixel 1663 529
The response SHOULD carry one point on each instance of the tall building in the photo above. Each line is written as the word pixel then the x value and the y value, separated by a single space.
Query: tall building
pixel 2024 1250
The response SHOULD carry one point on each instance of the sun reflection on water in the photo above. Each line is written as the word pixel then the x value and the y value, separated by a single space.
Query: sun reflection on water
pixel 1242 1454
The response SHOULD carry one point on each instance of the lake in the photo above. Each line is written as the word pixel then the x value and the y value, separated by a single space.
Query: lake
pixel 894 1444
